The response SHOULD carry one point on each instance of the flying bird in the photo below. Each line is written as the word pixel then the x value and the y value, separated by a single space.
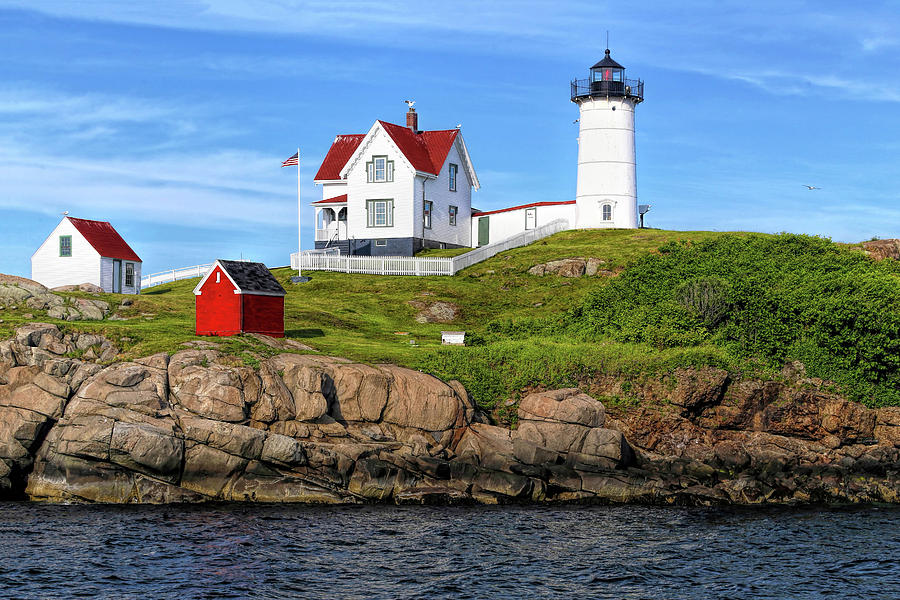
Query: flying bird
pixel 410 103
pixel 812 187
pixel 575 121
pixel 459 125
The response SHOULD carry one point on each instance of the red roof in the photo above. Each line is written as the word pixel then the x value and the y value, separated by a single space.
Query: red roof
pixel 533 204
pixel 425 150
pixel 105 240
pixel 336 199
pixel 340 152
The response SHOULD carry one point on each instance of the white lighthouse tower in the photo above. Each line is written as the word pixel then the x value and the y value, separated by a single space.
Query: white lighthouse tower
pixel 606 192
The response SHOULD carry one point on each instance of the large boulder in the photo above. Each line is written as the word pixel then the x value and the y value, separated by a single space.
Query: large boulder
pixel 566 267
pixel 206 389
pixel 435 312
pixel 792 411
pixel 570 423
pixel 882 249
pixel 21 282
pixel 887 426
pixel 307 381
pixel 571 267
pixel 360 393
pixel 421 401
pixel 565 406
pixel 17 290
pixel 698 387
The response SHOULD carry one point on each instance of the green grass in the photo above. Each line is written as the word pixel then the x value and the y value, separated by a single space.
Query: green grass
pixel 444 252
pixel 370 319
pixel 357 316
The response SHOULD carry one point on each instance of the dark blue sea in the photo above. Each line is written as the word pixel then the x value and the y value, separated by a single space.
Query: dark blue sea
pixel 257 551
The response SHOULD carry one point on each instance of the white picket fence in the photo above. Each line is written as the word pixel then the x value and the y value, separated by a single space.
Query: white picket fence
pixel 333 251
pixel 330 260
pixel 174 275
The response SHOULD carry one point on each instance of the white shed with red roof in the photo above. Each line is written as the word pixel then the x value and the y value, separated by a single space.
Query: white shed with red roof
pixel 84 251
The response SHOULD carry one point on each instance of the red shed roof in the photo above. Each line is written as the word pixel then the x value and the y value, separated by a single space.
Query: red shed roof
pixel 105 240
pixel 425 150
pixel 533 204
pixel 337 199
pixel 340 152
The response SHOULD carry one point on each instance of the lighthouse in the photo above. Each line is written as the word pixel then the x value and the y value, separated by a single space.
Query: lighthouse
pixel 606 189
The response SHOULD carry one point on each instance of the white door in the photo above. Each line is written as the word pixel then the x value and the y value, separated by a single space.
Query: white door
pixel 117 277
pixel 530 218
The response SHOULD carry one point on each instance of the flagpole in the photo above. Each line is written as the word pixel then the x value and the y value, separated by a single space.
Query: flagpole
pixel 299 220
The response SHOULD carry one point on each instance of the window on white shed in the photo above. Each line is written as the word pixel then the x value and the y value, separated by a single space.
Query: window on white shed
pixel 65 245
pixel 129 274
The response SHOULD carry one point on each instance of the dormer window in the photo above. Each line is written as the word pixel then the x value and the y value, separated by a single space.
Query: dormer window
pixel 454 169
pixel 379 170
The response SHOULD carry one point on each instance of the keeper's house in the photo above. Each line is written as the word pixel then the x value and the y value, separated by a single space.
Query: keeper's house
pixel 239 297
pixel 395 190
pixel 84 251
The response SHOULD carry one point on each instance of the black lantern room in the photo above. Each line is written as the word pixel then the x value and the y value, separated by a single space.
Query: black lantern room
pixel 608 76
pixel 608 79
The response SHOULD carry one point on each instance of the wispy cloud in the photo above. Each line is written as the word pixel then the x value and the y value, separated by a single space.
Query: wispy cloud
pixel 522 18
pixel 66 152
pixel 780 82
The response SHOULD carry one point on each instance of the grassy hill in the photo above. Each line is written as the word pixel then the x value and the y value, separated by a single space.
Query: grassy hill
pixel 552 331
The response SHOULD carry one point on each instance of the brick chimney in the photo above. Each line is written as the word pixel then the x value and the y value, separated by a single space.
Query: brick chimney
pixel 412 120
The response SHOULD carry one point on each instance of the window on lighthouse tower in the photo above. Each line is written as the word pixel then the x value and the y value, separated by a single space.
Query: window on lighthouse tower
pixel 607 212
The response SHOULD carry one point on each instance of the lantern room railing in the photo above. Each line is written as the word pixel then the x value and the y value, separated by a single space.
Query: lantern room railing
pixel 629 88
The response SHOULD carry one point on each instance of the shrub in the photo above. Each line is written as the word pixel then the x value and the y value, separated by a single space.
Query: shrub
pixel 763 299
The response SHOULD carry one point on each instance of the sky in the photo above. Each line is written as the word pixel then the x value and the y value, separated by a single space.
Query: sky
pixel 170 118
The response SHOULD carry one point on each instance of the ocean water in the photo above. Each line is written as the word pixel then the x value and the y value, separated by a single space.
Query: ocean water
pixel 258 551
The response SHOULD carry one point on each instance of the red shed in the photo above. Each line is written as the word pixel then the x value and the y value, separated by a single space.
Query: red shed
pixel 239 297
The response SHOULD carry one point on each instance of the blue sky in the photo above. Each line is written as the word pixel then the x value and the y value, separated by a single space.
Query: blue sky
pixel 170 118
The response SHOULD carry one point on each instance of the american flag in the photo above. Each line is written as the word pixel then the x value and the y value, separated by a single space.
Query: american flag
pixel 294 160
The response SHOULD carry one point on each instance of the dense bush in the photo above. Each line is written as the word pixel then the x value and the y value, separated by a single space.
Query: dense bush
pixel 771 297
pixel 752 302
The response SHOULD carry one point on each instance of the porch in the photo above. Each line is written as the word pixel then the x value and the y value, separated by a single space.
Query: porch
pixel 331 224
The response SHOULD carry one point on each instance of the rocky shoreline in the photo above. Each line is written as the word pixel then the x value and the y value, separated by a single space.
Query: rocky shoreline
pixel 198 426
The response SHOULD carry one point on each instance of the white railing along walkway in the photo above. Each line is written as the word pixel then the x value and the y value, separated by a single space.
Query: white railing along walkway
pixel 520 239
pixel 171 275
pixel 174 275
pixel 331 260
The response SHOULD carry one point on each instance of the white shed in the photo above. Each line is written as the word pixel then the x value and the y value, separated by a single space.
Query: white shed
pixel 83 251
pixel 453 338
